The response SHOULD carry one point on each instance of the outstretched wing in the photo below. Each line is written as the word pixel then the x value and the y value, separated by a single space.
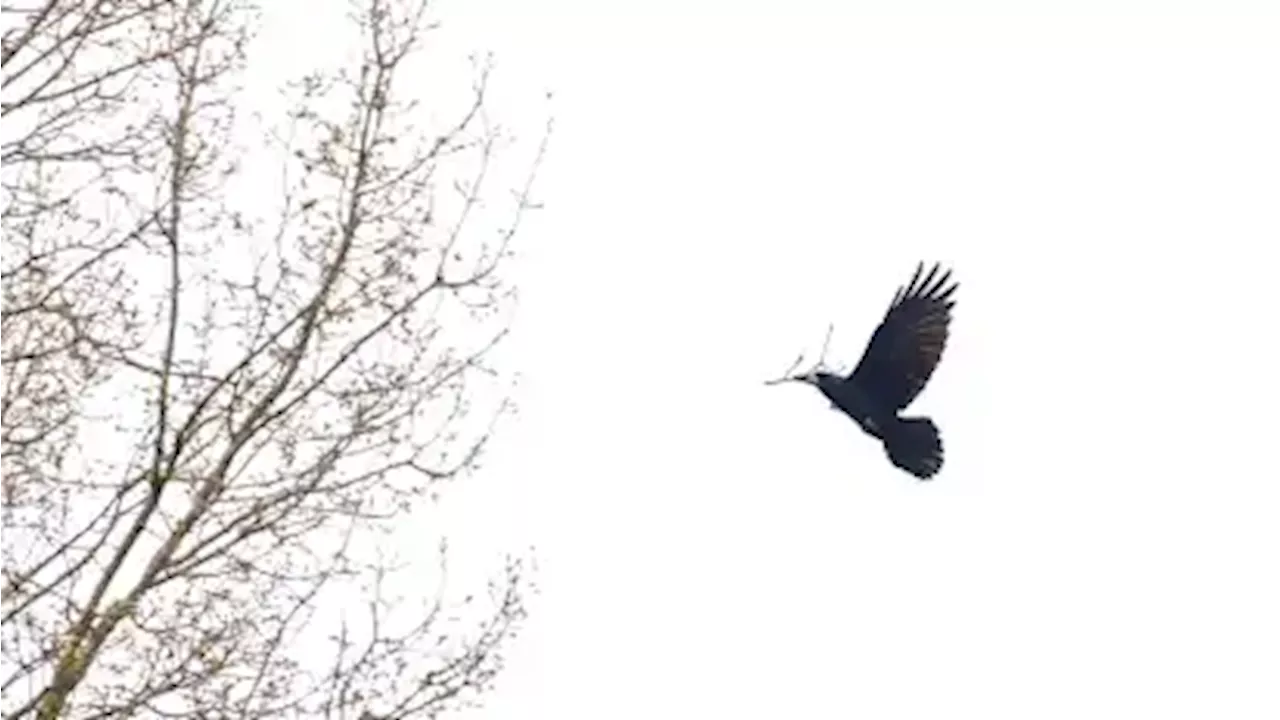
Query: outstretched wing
pixel 908 344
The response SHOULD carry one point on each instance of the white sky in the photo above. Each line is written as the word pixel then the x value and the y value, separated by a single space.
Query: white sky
pixel 1102 541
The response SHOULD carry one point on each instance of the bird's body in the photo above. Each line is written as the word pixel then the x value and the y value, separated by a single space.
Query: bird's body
pixel 898 361
pixel 849 399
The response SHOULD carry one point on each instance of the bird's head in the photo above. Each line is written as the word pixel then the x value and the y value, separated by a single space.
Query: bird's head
pixel 821 379
pixel 812 377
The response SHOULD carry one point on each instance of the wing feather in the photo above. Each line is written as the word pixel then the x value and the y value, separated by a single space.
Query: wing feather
pixel 907 345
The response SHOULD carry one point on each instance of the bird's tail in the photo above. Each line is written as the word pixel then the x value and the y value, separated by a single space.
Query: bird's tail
pixel 914 445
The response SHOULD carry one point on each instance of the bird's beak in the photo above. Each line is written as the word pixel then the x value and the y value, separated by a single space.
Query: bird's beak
pixel 806 379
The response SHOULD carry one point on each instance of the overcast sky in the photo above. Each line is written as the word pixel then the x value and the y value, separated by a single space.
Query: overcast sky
pixel 1102 541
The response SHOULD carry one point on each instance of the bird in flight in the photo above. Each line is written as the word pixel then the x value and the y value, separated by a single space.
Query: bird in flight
pixel 903 352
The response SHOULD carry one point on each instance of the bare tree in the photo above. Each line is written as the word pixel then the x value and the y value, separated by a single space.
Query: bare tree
pixel 218 417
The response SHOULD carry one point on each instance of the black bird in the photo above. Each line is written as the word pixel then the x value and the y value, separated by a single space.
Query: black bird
pixel 897 363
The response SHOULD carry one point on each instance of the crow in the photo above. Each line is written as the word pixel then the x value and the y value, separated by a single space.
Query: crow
pixel 902 354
